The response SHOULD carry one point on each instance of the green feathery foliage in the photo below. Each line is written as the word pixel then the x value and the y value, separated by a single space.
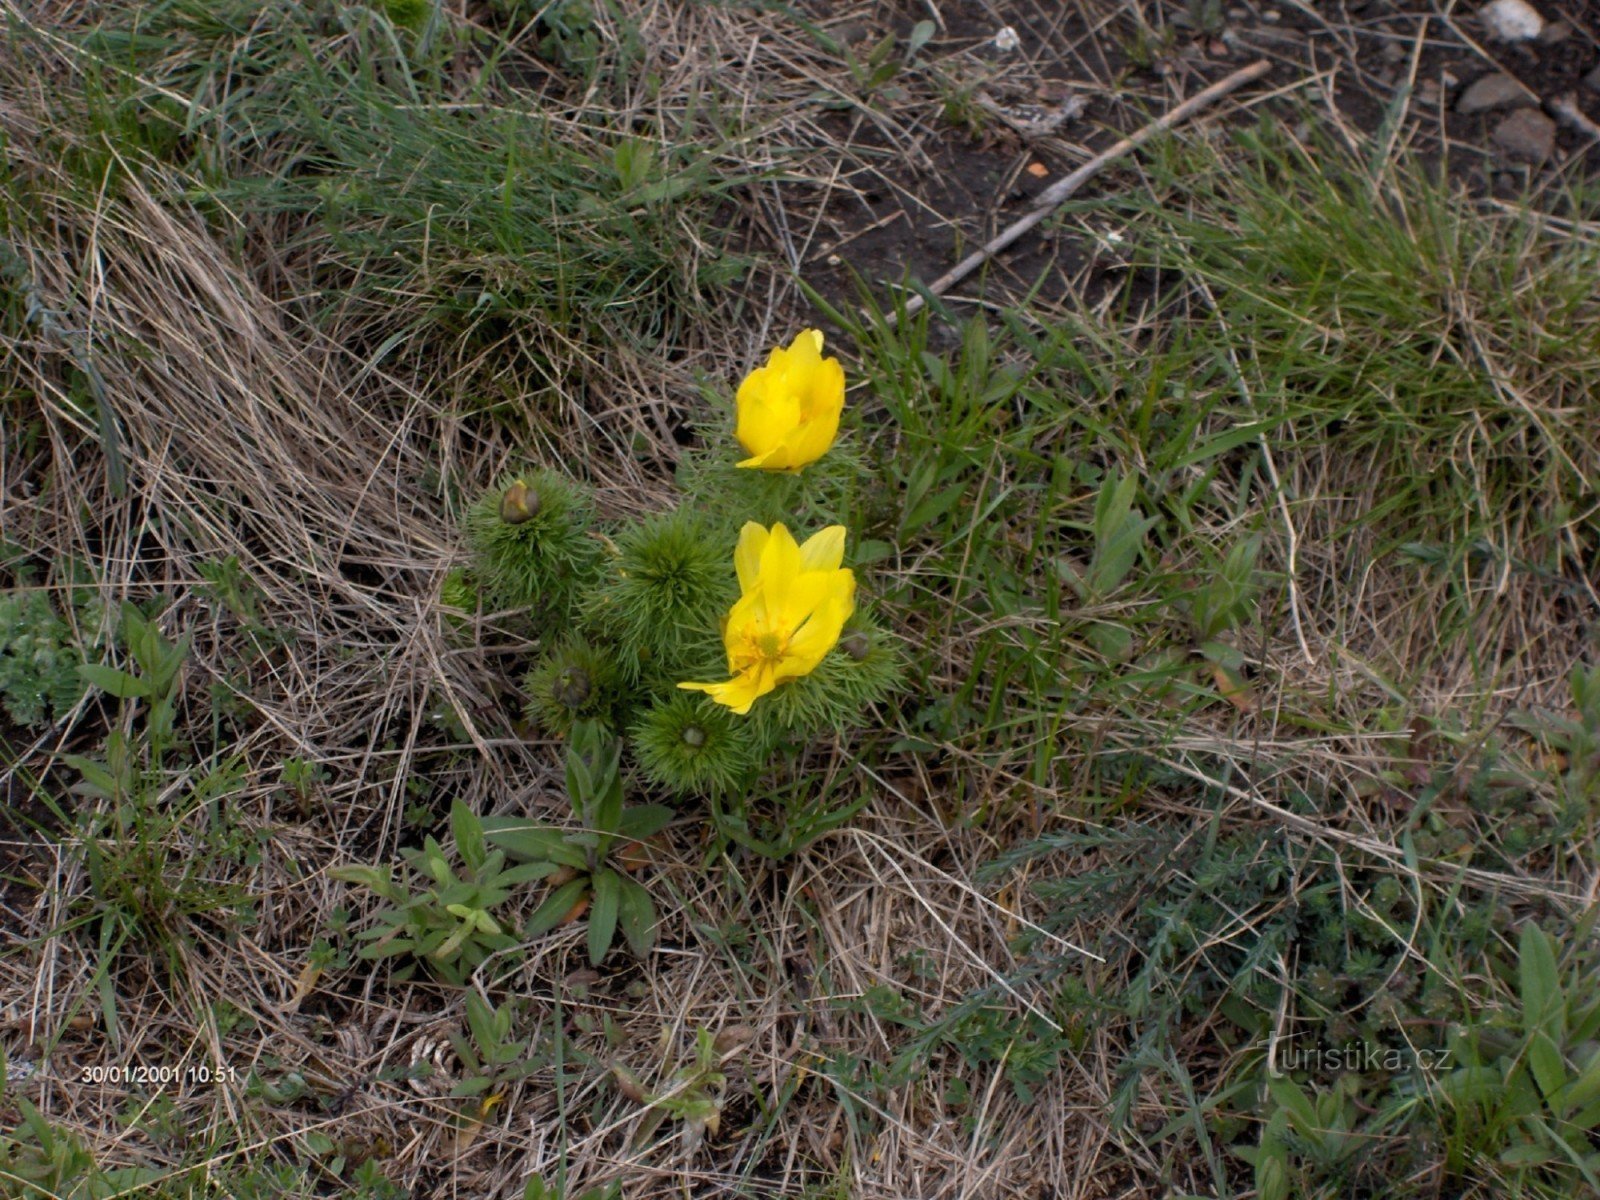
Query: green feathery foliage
pixel 39 677
pixel 823 493
pixel 458 595
pixel 575 681
pixel 689 745
pixel 864 668
pixel 531 537
pixel 665 594
pixel 408 14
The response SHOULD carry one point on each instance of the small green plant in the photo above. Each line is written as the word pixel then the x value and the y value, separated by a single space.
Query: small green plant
pixel 1308 1138
pixel 1119 530
pixel 154 681
pixel 1576 738
pixel 538 1189
pixel 632 615
pixel 439 914
pixel 885 60
pixel 585 865
pixel 531 537
pixel 488 1058
pixel 301 778
pixel 1526 1096
pixel 40 680
pixel 148 848
pixel 40 1162
pixel 692 1095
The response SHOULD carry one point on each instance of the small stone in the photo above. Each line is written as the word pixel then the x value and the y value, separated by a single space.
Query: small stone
pixel 1511 20
pixel 1527 135
pixel 1428 92
pixel 1592 80
pixel 1556 31
pixel 1272 16
pixel 1392 52
pixel 1007 41
pixel 1493 91
pixel 732 1038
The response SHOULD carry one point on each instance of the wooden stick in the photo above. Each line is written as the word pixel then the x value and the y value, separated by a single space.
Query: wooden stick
pixel 1057 193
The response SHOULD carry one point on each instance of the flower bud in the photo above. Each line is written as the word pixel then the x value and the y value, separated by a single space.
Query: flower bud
pixel 519 503
pixel 856 645
pixel 572 687
pixel 694 736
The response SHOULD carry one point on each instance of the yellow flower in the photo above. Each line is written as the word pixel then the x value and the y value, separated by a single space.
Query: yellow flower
pixel 789 409
pixel 794 603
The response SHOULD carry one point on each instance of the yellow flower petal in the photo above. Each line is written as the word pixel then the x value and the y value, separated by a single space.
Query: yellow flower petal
pixel 747 556
pixel 823 550
pixel 793 603
pixel 816 637
pixel 740 692
pixel 780 561
pixel 788 410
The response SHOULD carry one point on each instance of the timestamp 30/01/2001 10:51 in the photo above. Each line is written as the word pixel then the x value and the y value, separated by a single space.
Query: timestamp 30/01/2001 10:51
pixel 201 1073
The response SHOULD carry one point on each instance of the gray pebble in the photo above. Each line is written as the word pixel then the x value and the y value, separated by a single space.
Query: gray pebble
pixel 1494 91
pixel 1527 135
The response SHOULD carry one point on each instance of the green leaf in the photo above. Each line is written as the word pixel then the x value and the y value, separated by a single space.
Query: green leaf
pixel 1543 1007
pixel 97 778
pixel 603 916
pixel 526 873
pixel 470 1087
pixel 580 783
pixel 935 507
pixel 645 820
pixel 1223 442
pixel 637 914
pixel 1582 1091
pixel 557 905
pixel 468 831
pixel 1471 1085
pixel 530 842
pixel 1544 1060
pixel 1296 1103
pixel 168 662
pixel 451 946
pixel 480 1019
pixel 368 876
pixel 1526 1155
pixel 118 683
pixel 608 815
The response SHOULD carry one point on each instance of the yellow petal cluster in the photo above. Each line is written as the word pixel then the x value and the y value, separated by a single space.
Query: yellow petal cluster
pixel 793 605
pixel 788 410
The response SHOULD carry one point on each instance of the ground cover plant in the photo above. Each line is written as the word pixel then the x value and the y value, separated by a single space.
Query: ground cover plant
pixel 526 671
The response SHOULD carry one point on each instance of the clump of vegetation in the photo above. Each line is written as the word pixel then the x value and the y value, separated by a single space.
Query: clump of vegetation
pixel 40 657
pixel 441 914
pixel 633 616
pixel 589 868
